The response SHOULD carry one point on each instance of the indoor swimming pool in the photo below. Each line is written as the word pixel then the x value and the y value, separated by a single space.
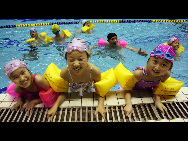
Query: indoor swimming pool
pixel 147 35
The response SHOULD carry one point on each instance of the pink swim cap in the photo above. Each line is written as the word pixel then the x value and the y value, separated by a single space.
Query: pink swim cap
pixel 13 65
pixel 172 39
pixel 77 44
pixel 164 52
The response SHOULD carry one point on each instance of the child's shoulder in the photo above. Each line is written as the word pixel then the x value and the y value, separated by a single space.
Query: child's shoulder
pixel 94 68
pixel 138 73
pixel 64 73
pixel 107 44
pixel 41 81
pixel 39 78
pixel 166 76
pixel 96 73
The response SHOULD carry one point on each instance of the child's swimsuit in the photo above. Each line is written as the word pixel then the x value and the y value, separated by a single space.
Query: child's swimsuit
pixel 31 95
pixel 81 87
pixel 142 84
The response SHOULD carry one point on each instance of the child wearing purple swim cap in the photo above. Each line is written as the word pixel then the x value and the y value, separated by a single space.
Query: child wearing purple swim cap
pixel 79 73
pixel 27 85
pixel 174 42
pixel 158 69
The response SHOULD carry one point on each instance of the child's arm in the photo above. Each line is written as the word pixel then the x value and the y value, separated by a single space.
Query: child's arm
pixel 20 101
pixel 61 98
pixel 42 82
pixel 96 73
pixel 142 53
pixel 158 103
pixel 94 46
pixel 128 108
pixel 18 104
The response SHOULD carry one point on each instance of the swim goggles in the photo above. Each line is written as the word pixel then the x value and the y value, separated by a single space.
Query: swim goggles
pixel 32 29
pixel 158 52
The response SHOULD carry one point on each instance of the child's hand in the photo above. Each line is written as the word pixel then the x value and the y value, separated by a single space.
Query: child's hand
pixel 29 107
pixel 142 53
pixel 128 109
pixel 161 107
pixel 101 110
pixel 51 112
pixel 17 105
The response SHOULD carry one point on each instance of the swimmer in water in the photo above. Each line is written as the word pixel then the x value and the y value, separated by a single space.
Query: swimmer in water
pixel 113 43
pixel 59 39
pixel 39 40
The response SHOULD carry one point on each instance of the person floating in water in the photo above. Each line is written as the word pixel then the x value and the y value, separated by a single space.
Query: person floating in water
pixel 36 40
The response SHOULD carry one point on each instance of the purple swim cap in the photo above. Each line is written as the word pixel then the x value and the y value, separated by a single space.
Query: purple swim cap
pixel 13 65
pixel 164 52
pixel 77 44
pixel 172 39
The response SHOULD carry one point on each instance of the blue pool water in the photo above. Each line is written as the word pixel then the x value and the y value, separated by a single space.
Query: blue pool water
pixel 140 34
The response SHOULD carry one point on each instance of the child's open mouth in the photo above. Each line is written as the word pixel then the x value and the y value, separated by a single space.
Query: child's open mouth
pixel 77 69
pixel 156 72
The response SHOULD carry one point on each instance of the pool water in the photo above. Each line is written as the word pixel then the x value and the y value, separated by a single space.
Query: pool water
pixel 140 34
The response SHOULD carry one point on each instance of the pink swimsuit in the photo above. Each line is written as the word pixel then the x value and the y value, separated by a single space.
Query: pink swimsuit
pixel 31 95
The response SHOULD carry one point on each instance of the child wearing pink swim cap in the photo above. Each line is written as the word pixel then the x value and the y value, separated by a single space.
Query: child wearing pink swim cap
pixel 79 73
pixel 174 42
pixel 158 69
pixel 27 86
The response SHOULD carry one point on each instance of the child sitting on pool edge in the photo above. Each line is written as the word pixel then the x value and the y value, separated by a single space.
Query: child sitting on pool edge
pixel 27 85
pixel 80 74
pixel 158 69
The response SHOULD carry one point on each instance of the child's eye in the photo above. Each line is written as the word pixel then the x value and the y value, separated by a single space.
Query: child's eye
pixel 71 60
pixel 15 77
pixel 80 60
pixel 154 61
pixel 164 65
pixel 22 72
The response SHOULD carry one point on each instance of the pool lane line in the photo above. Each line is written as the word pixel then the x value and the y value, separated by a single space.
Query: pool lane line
pixel 94 21
pixel 38 24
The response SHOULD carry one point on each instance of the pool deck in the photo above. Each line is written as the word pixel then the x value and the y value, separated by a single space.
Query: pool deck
pixel 112 98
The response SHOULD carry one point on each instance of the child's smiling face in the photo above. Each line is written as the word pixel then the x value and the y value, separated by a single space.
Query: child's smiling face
pixel 77 61
pixel 158 66
pixel 21 77
pixel 175 45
